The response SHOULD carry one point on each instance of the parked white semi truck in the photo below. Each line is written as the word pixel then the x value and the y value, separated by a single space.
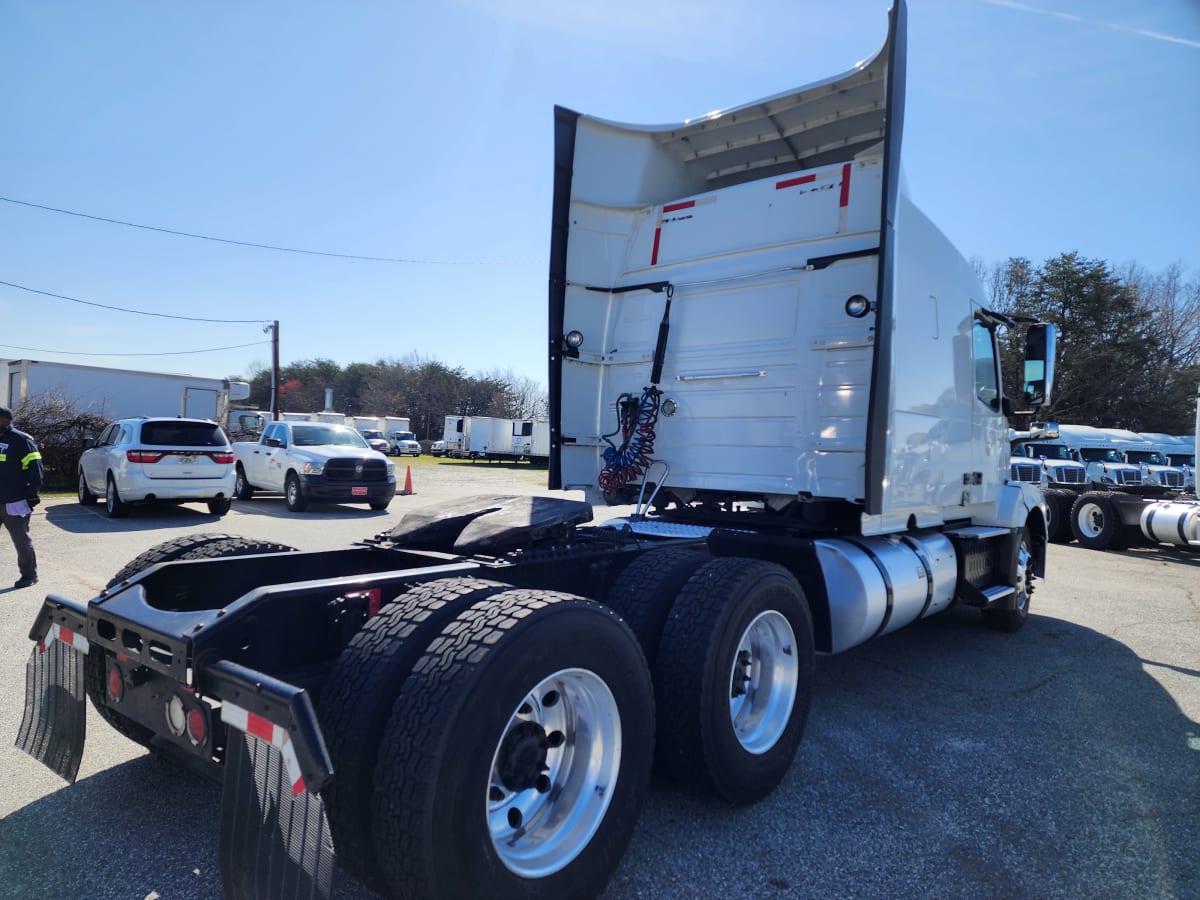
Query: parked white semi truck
pixel 754 329
pixel 1040 458
pixel 1111 520
pixel 1156 468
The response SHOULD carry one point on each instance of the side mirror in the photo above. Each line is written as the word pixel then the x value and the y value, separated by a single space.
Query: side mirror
pixel 1040 343
pixel 88 443
pixel 272 442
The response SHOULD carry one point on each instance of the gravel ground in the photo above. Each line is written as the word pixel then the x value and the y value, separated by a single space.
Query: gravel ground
pixel 945 760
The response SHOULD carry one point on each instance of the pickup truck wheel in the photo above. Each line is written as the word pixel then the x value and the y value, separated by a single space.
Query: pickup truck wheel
pixel 192 546
pixel 86 497
pixel 242 489
pixel 113 504
pixel 1012 616
pixel 644 592
pixel 1095 523
pixel 220 505
pixel 734 678
pixel 293 496
pixel 358 699
pixel 521 753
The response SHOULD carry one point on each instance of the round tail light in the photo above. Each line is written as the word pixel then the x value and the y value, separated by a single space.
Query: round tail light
pixel 116 685
pixel 197 727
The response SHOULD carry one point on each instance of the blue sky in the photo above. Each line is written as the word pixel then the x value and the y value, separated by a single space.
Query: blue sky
pixel 423 131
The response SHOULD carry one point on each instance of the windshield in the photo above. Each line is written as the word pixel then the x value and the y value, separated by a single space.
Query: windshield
pixel 1049 451
pixel 1149 457
pixel 1101 454
pixel 405 436
pixel 372 435
pixel 1183 459
pixel 321 435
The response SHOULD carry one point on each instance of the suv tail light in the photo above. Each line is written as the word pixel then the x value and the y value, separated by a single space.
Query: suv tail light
pixel 143 456
pixel 223 457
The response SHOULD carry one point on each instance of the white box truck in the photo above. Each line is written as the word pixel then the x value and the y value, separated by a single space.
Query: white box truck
pixel 121 393
pixel 751 323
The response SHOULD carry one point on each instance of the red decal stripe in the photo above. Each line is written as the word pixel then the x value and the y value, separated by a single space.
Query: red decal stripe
pixel 66 636
pixel 675 207
pixel 654 252
pixel 298 787
pixel 259 727
pixel 845 201
pixel 792 182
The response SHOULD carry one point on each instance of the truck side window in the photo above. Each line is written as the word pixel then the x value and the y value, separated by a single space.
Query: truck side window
pixel 986 382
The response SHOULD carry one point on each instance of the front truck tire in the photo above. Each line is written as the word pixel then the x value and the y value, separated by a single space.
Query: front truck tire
pixel 733 679
pixel 518 753
pixel 358 698
pixel 1058 526
pixel 1012 615
pixel 192 546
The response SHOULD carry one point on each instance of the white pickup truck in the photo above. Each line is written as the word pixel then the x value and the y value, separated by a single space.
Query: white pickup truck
pixel 310 461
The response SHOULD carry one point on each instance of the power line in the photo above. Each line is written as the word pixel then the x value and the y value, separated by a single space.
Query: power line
pixel 140 312
pixel 167 353
pixel 221 240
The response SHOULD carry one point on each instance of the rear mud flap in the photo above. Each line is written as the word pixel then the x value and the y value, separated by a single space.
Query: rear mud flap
pixel 52 726
pixel 275 841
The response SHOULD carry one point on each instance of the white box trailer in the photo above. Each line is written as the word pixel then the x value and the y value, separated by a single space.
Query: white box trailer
pixel 453 434
pixel 395 423
pixel 297 417
pixel 121 393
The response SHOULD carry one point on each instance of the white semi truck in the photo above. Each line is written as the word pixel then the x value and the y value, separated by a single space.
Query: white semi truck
pixel 1040 458
pixel 754 331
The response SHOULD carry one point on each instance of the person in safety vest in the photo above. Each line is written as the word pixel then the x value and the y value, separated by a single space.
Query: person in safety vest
pixel 20 481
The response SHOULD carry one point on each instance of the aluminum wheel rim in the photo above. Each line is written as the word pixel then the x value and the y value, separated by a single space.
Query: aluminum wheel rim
pixel 764 681
pixel 1024 576
pixel 565 739
pixel 1090 519
pixel 83 488
pixel 293 492
pixel 110 495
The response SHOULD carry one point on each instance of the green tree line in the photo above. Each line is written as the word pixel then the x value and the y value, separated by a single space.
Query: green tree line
pixel 1128 341
pixel 421 389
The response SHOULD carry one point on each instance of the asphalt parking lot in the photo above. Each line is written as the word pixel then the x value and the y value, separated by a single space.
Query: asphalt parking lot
pixel 945 760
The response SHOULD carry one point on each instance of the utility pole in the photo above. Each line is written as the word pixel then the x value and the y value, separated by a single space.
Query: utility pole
pixel 274 326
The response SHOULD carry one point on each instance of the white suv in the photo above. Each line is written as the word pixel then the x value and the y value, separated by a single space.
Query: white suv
pixel 146 460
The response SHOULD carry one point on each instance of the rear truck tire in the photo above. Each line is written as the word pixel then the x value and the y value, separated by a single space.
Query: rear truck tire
pixel 1095 523
pixel 358 697
pixel 292 493
pixel 518 753
pixel 242 489
pixel 733 679
pixel 86 497
pixel 192 546
pixel 1012 615
pixel 644 592
pixel 114 506
pixel 379 505
pixel 1058 525
pixel 218 506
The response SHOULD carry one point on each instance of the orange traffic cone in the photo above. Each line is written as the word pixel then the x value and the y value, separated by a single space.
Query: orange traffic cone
pixel 408 480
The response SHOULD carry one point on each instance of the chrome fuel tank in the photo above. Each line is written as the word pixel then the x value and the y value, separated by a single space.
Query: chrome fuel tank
pixel 1172 522
pixel 876 585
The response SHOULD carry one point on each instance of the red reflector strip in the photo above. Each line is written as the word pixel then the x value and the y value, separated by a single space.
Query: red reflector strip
pixel 675 207
pixel 845 199
pixel 68 637
pixel 654 252
pixel 243 720
pixel 792 182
